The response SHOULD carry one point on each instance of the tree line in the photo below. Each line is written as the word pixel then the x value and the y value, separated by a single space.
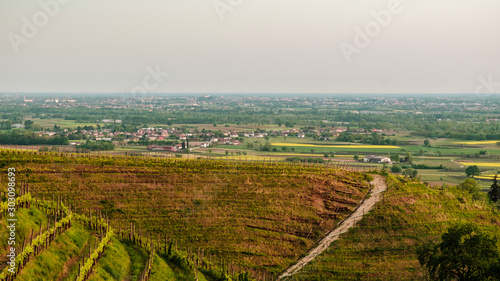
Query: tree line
pixel 27 138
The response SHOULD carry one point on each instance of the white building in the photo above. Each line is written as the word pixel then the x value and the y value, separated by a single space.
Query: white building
pixel 17 126
pixel 376 159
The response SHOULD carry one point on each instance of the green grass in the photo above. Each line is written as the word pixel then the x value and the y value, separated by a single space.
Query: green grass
pixel 138 258
pixel 116 263
pixel 122 260
pixel 161 271
pixel 62 255
pixel 44 123
pixel 27 219
pixel 180 272
pixel 172 270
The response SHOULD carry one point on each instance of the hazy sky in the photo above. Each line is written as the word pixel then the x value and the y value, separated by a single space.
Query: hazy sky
pixel 250 46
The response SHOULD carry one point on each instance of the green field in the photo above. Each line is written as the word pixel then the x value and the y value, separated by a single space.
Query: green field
pixel 453 152
pixel 71 124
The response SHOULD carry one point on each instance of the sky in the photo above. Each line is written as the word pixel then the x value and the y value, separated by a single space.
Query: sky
pixel 250 46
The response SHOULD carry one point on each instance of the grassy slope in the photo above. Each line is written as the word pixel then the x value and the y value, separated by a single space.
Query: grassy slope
pixel 124 261
pixel 27 219
pixel 161 270
pixel 173 271
pixel 121 261
pixel 56 261
pixel 261 217
pixel 138 258
pixel 114 265
pixel 383 245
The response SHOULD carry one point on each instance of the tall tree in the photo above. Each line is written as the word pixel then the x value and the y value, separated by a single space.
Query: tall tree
pixel 409 157
pixel 472 171
pixel 395 158
pixel 494 192
pixel 464 253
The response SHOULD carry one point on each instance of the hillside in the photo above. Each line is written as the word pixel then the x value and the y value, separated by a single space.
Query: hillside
pixel 60 260
pixel 28 219
pixel 383 246
pixel 73 246
pixel 257 217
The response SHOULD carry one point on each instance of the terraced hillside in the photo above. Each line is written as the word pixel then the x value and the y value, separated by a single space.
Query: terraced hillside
pixel 79 247
pixel 48 239
pixel 256 217
pixel 383 246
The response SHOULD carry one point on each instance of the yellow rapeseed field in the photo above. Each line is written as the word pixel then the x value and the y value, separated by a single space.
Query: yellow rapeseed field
pixel 483 164
pixel 477 142
pixel 485 177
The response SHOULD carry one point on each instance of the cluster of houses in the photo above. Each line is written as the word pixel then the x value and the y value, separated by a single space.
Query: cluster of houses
pixel 197 138
pixel 158 134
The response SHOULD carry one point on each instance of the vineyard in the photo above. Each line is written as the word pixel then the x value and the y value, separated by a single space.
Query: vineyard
pixel 384 245
pixel 47 246
pixel 145 218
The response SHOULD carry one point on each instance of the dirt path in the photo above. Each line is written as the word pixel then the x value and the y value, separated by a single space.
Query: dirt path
pixel 379 186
